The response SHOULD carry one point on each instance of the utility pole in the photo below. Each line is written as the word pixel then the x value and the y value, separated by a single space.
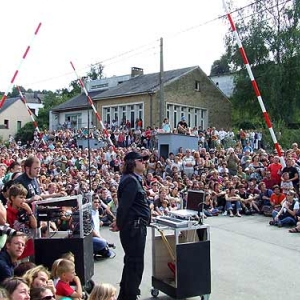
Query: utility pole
pixel 161 85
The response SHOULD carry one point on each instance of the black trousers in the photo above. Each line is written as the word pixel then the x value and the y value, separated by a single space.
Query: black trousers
pixel 133 240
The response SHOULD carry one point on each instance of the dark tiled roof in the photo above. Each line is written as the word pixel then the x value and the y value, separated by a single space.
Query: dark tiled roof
pixel 76 102
pixel 136 85
pixel 143 83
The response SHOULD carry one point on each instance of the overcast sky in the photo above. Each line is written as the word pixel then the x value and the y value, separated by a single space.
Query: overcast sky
pixel 120 34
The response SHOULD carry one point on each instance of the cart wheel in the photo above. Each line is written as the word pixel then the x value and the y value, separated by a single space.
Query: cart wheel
pixel 154 292
pixel 89 286
pixel 205 297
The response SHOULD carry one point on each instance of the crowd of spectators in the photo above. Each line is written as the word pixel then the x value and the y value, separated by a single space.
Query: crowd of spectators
pixel 238 176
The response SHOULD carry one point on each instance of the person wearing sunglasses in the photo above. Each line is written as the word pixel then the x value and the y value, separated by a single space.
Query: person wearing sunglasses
pixel 133 216
pixel 41 293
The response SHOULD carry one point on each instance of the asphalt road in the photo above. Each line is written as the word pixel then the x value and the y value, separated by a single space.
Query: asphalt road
pixel 249 260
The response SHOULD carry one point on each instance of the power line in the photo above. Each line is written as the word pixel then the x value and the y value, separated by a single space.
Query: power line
pixel 154 44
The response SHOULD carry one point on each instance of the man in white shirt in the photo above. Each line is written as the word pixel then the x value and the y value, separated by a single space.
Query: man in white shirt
pixel 100 245
pixel 188 163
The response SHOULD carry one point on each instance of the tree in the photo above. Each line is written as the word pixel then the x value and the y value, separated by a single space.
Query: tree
pixel 220 66
pixel 96 71
pixel 270 34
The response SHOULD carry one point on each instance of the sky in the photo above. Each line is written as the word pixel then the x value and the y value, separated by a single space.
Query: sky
pixel 119 34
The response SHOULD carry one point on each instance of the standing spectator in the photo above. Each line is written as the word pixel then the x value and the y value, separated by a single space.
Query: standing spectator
pixel 275 170
pixel 293 173
pixel 232 161
pixel 166 127
pixel 28 179
pixel 188 163
pixel 133 216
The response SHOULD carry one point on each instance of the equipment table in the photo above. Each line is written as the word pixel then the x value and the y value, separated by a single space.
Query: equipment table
pixel 180 258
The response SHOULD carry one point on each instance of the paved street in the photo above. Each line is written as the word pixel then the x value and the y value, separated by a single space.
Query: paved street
pixel 249 260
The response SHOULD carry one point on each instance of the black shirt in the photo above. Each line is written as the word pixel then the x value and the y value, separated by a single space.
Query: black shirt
pixel 132 201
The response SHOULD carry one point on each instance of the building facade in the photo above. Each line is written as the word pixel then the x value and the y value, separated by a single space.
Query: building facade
pixel 186 92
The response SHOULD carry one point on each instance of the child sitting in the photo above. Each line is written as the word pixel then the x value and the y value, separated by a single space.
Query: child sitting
pixel 66 274
pixel 286 185
pixel 103 291
pixel 20 216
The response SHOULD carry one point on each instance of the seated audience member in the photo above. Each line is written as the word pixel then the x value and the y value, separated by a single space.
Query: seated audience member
pixel 247 201
pixel 39 276
pixel 297 217
pixel 164 208
pixel 264 199
pixel 287 214
pixel 23 267
pixel 233 199
pixel 276 198
pixel 4 294
pixel 208 208
pixel 41 293
pixel 103 291
pixel 14 248
pixel 66 274
pixel 286 185
pixel 268 180
pixel 100 245
pixel 16 288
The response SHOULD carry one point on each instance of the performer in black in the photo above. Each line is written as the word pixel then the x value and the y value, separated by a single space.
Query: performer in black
pixel 133 216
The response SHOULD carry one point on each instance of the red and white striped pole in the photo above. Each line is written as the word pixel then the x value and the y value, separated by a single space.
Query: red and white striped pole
pixel 30 113
pixel 254 84
pixel 93 106
pixel 19 67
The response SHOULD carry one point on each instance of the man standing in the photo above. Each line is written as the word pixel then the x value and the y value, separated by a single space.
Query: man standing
pixel 14 248
pixel 28 179
pixel 133 216
pixel 188 163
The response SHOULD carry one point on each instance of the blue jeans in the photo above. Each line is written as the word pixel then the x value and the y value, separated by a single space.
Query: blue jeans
pixel 100 245
pixel 231 204
pixel 285 221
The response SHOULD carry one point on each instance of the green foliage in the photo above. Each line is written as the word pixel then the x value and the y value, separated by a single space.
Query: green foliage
pixel 15 92
pixel 96 71
pixel 25 133
pixel 220 66
pixel 270 33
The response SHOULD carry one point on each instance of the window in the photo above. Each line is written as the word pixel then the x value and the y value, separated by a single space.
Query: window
pixel 6 124
pixel 19 125
pixel 197 86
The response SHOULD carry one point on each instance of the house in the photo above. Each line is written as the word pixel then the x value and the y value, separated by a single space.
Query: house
pixel 14 114
pixel 186 91
pixel 225 83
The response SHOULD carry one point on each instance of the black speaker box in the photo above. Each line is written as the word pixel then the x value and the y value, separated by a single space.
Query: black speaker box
pixel 48 250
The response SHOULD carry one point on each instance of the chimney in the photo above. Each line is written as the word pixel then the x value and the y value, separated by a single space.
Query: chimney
pixel 136 72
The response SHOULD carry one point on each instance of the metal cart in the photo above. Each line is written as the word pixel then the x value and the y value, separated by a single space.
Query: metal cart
pixel 180 258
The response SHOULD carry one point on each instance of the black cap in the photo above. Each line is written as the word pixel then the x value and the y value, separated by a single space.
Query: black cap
pixel 135 155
